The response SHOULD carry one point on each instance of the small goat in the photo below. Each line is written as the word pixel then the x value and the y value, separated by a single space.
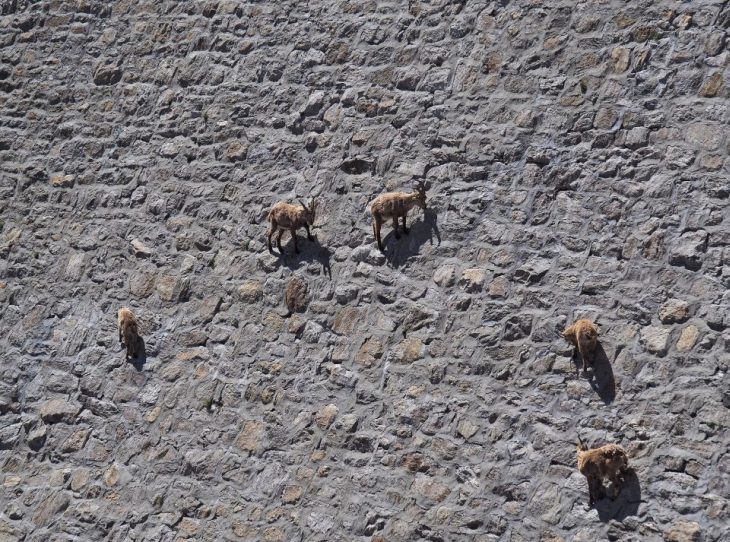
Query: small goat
pixel 128 331
pixel 583 334
pixel 284 216
pixel 396 205
pixel 609 461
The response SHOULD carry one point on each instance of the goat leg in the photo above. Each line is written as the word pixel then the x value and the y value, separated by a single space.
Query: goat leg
pixel 583 355
pixel 294 236
pixel 395 227
pixel 376 230
pixel 405 230
pixel 309 235
pixel 278 241
pixel 272 229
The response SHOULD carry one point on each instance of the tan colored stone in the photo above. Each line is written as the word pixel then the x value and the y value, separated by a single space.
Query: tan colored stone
pixel 152 415
pixel 250 291
pixel 326 416
pixel 345 320
pixel 673 310
pixel 370 352
pixel 431 489
pixel 713 162
pixel 79 479
pixel 140 249
pixel 655 339
pixel 711 86
pixel 409 350
pixel 472 280
pixel 111 476
pixel 688 338
pixel 274 534
pixel 237 151
pixel 188 527
pixel 684 531
pixel 621 57
pixel 251 436
pixel 59 410
pixel 200 353
pixel 171 288
pixel 63 181
pixel 498 287
pixel 75 441
pixel 291 494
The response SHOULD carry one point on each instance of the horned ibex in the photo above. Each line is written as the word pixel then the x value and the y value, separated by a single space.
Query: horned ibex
pixel 128 331
pixel 284 216
pixel 396 205
pixel 609 461
pixel 583 334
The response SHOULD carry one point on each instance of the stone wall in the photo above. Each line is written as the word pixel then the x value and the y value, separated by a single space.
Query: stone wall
pixel 578 157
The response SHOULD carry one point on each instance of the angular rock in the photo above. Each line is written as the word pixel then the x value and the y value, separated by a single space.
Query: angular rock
pixel 250 291
pixel 655 339
pixel 688 338
pixel 326 416
pixel 472 280
pixel 295 295
pixel 684 531
pixel 59 410
pixel 674 311
pixel 445 276
pixel 689 250
pixel 172 288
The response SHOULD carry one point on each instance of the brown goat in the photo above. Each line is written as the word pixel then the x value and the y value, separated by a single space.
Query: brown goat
pixel 609 461
pixel 583 334
pixel 396 205
pixel 128 331
pixel 284 216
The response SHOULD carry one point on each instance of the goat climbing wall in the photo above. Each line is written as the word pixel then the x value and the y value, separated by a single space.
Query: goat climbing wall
pixel 578 156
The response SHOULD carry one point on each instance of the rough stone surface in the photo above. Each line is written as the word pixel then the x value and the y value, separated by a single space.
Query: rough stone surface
pixel 295 295
pixel 577 159
pixel 674 310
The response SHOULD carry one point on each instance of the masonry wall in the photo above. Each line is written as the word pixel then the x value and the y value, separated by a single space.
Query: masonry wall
pixel 578 156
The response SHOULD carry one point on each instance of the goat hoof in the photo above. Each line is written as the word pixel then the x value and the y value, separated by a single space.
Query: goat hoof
pixel 405 231
pixel 310 238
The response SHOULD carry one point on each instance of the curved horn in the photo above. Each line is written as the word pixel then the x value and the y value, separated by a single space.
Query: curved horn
pixel 303 204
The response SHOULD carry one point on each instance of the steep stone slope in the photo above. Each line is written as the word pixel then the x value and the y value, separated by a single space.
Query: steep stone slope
pixel 578 167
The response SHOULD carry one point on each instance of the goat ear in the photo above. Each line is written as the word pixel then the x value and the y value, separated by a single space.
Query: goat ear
pixel 314 203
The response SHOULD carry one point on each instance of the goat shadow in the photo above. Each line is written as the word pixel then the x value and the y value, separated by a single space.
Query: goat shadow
pixel 626 503
pixel 401 250
pixel 600 373
pixel 309 251
pixel 141 358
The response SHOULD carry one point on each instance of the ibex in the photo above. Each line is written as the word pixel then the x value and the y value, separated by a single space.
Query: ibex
pixel 128 331
pixel 396 205
pixel 583 334
pixel 609 461
pixel 284 216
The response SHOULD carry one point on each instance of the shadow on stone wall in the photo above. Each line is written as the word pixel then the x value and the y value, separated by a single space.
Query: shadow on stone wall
pixel 626 503
pixel 141 358
pixel 401 250
pixel 309 251
pixel 601 376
